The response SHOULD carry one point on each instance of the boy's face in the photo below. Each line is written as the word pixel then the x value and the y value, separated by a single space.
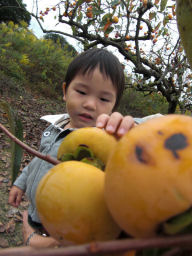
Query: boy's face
pixel 87 97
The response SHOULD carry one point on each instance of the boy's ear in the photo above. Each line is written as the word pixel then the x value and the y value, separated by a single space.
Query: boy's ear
pixel 64 91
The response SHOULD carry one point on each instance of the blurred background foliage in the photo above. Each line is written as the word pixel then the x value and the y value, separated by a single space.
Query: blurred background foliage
pixel 41 64
pixel 138 104
pixel 16 13
pixel 38 63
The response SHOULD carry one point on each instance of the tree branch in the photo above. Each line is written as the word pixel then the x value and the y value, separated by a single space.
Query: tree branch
pixel 55 31
pixel 47 158
pixel 103 248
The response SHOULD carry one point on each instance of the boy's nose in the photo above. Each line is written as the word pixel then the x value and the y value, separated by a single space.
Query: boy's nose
pixel 90 103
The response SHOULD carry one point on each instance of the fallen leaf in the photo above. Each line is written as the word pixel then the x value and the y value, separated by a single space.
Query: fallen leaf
pixel 2 227
pixel 12 212
pixel 10 226
pixel 25 203
pixel 3 243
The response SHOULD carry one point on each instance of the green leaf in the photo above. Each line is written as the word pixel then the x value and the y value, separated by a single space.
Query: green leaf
pixel 97 11
pixel 165 20
pixel 74 30
pixel 165 31
pixel 106 17
pixel 80 2
pixel 163 5
pixel 182 223
pixel 109 30
pixel 158 26
pixel 17 130
pixel 18 152
pixel 122 5
pixel 79 17
pixel 152 15
pixel 114 2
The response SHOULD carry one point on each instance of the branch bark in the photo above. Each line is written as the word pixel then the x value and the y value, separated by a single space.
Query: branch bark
pixel 102 248
pixel 47 158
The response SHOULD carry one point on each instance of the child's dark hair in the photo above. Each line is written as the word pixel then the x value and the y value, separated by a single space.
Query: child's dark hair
pixel 109 65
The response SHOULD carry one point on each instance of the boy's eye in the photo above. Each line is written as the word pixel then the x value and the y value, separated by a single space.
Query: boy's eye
pixel 81 92
pixel 104 99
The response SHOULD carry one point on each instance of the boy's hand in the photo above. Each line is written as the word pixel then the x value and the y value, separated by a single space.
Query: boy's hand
pixel 115 124
pixel 15 196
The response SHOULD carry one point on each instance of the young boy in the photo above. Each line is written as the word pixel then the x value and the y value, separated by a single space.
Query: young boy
pixel 93 87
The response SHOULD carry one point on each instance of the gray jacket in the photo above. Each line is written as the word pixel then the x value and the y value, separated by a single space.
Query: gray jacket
pixel 29 179
pixel 51 139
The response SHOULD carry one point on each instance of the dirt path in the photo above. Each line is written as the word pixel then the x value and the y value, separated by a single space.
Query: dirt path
pixel 30 107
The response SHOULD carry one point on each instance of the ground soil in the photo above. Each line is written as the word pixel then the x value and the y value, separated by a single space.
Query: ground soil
pixel 29 106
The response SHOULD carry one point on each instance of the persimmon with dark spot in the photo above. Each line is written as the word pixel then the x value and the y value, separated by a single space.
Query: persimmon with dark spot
pixel 148 183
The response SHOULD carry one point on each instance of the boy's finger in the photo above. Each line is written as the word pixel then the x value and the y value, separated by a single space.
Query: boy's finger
pixel 114 122
pixel 126 124
pixel 18 200
pixel 102 120
pixel 11 198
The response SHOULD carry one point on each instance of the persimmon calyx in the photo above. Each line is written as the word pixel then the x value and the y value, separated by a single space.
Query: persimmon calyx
pixel 84 154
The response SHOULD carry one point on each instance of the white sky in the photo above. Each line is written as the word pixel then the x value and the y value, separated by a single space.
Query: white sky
pixel 49 21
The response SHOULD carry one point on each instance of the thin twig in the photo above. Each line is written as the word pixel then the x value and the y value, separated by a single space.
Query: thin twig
pixel 34 152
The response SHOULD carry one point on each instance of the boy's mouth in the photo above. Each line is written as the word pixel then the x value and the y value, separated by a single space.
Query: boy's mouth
pixel 86 117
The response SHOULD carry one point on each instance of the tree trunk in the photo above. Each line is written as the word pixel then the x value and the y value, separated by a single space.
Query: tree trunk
pixel 172 107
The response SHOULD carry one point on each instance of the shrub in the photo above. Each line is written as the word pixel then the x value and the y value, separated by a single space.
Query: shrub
pixel 134 103
pixel 31 60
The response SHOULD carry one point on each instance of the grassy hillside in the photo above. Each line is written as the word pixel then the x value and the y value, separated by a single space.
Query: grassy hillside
pixel 40 64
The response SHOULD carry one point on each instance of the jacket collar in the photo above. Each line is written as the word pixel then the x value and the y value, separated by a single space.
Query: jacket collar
pixel 61 120
pixel 58 121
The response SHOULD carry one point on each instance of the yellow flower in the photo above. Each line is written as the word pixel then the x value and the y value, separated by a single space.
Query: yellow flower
pixel 11 24
pixel 7 44
pixel 24 60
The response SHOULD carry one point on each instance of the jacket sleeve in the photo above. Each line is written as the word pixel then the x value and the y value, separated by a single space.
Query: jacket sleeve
pixel 143 119
pixel 21 180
